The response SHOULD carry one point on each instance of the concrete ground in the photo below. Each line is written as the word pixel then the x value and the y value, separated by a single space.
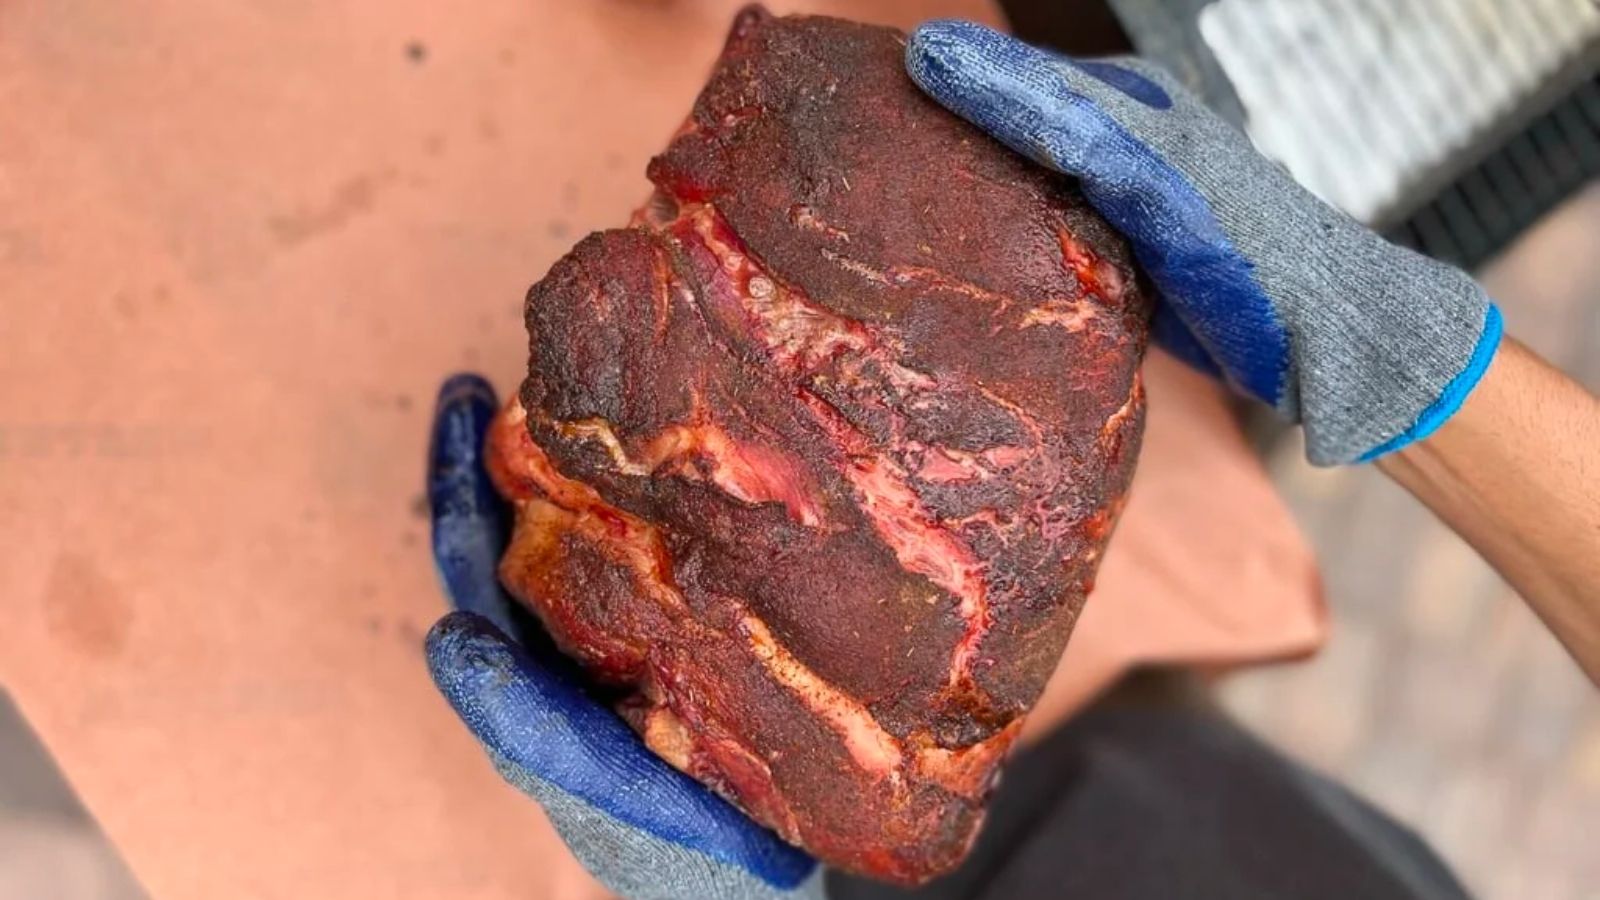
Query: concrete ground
pixel 1439 696
pixel 49 847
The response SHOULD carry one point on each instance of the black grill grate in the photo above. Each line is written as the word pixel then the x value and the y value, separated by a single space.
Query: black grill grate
pixel 1487 206
pixel 1510 126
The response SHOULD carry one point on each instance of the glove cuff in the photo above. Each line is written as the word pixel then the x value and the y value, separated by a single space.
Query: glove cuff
pixel 1454 393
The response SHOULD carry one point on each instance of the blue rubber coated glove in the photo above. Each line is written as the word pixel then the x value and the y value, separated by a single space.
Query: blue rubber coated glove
pixel 641 827
pixel 1370 346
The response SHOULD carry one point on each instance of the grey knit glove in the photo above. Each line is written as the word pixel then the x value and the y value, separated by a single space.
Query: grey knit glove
pixel 1368 345
pixel 644 829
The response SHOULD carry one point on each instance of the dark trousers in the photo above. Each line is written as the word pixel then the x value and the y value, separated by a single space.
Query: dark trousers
pixel 1150 794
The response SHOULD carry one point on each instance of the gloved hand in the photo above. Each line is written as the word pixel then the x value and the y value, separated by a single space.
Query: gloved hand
pixel 641 827
pixel 1368 345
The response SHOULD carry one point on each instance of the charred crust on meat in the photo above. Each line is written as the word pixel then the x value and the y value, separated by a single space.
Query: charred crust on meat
pixel 819 456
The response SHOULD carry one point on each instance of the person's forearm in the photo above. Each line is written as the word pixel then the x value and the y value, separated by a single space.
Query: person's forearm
pixel 1517 474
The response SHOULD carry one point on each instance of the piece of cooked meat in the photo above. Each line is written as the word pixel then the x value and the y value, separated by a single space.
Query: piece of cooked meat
pixel 820 455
